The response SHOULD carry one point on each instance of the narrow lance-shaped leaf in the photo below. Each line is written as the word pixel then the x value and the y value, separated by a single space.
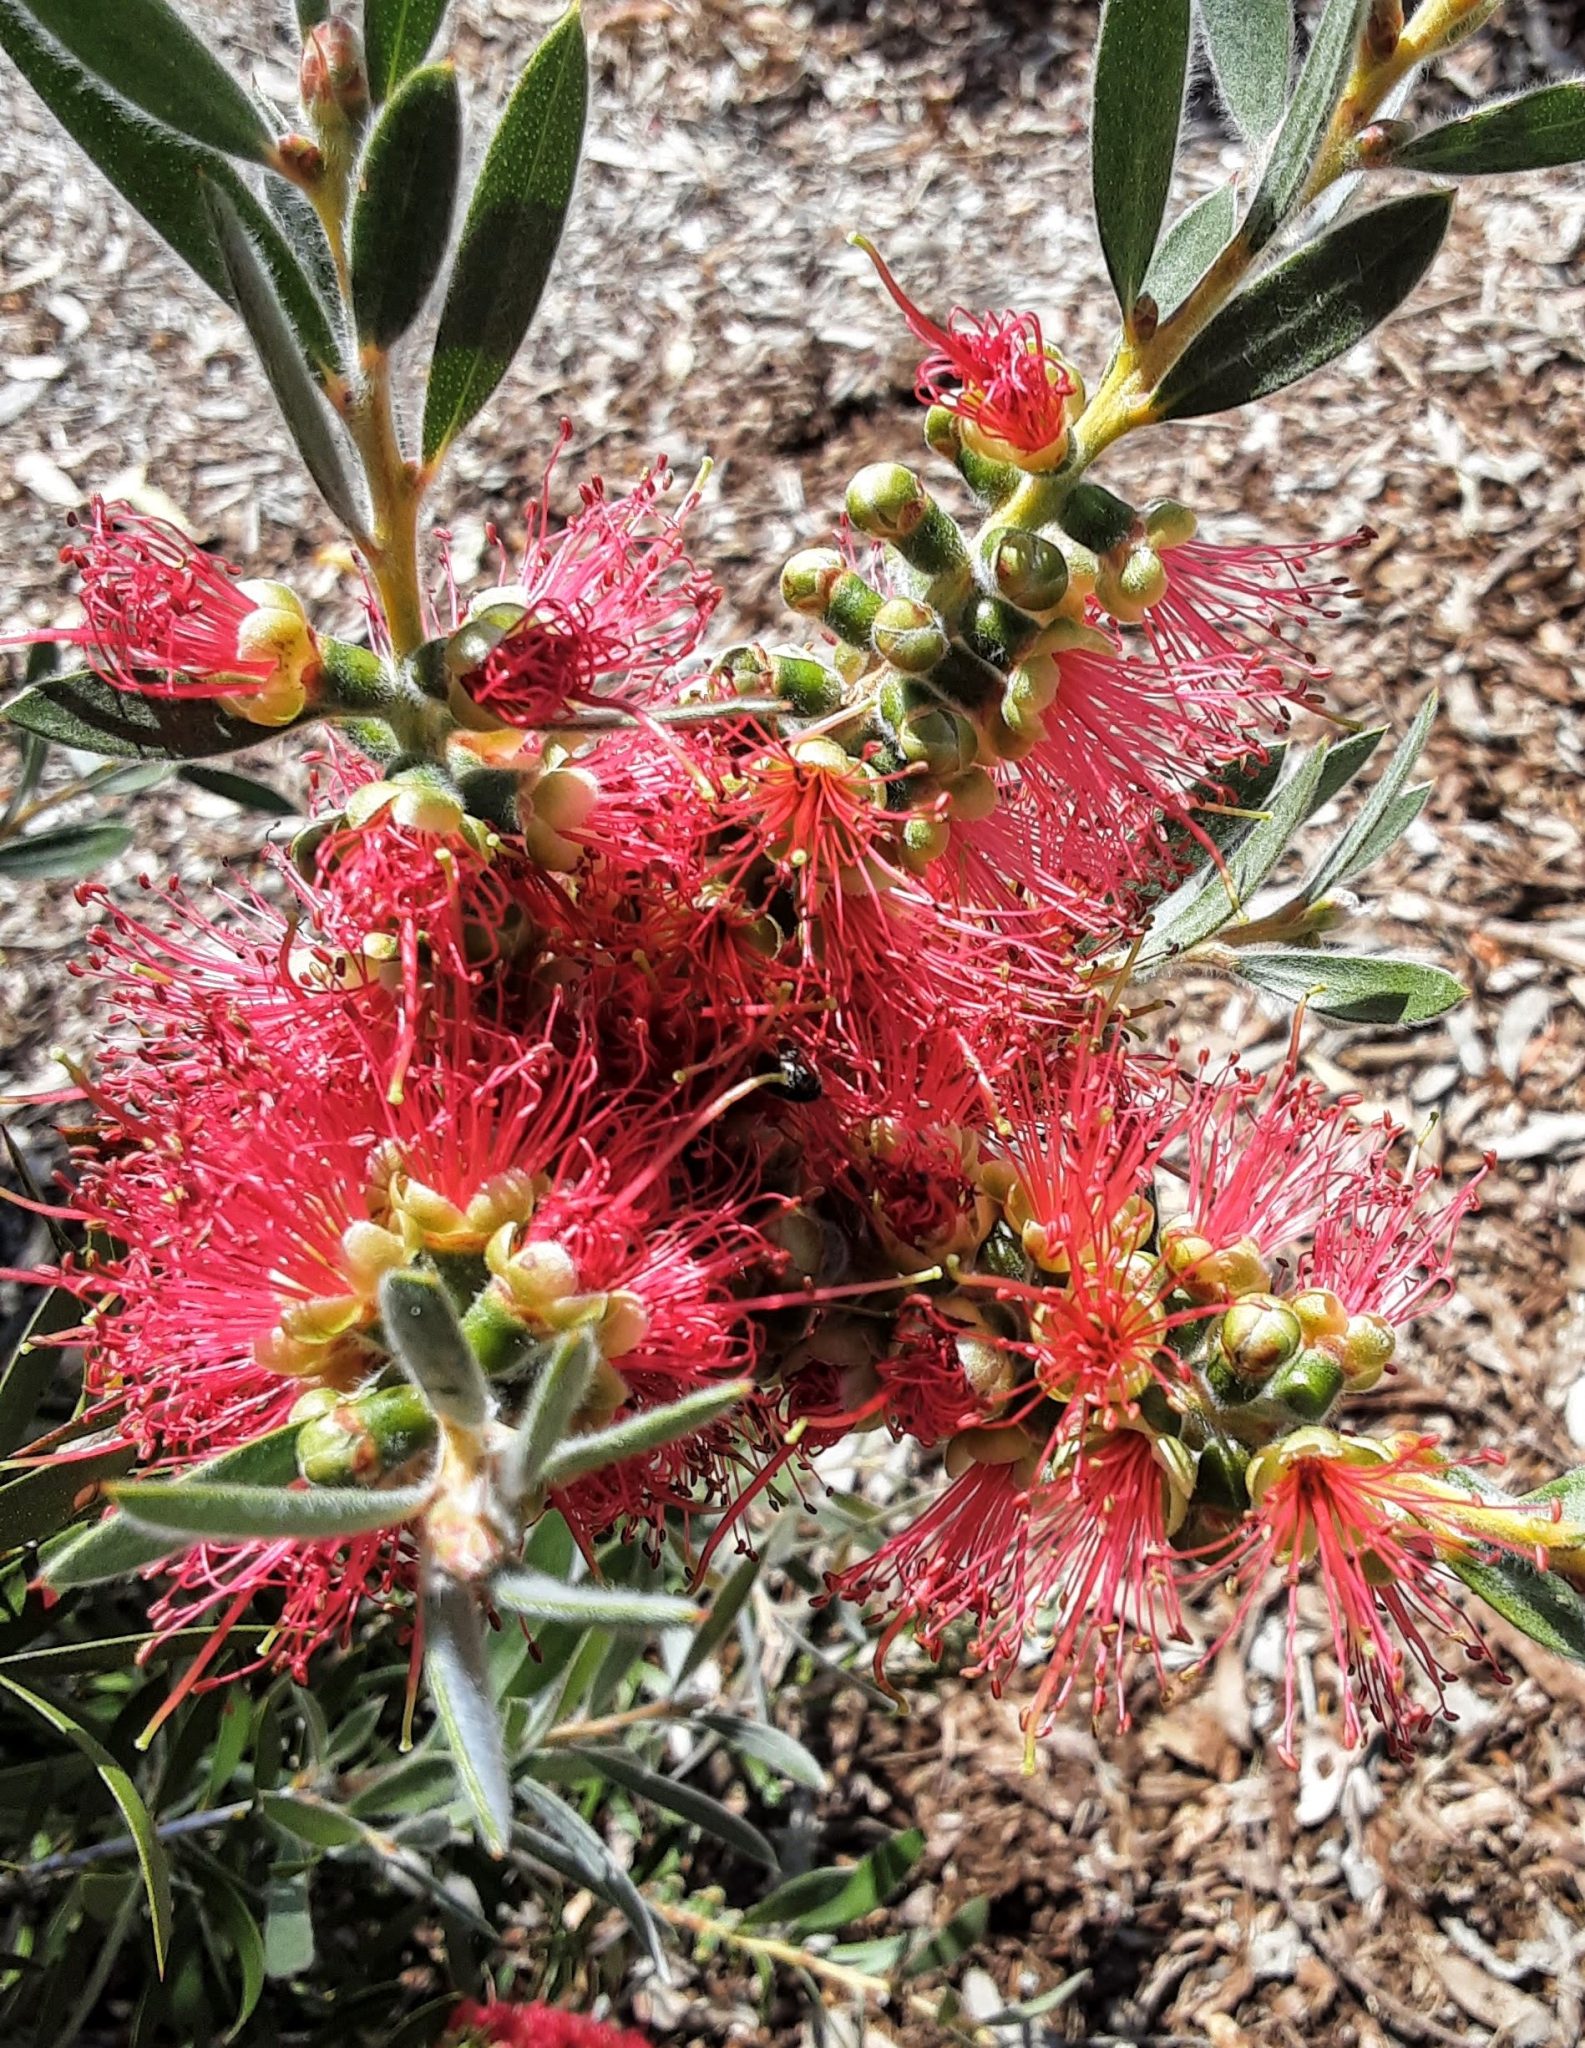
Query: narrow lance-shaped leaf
pixel 224 1513
pixel 117 1547
pixel 145 51
pixel 1353 849
pixel 617 1767
pixel 396 39
pixel 509 240
pixel 1353 989
pixel 1308 310
pixel 821 1901
pixel 1536 131
pixel 422 1329
pixel 65 854
pixel 407 192
pixel 1542 1605
pixel 161 173
pixel 83 711
pixel 454 1666
pixel 558 1393
pixel 1298 141
pixel 243 790
pixel 638 1433
pixel 1250 45
pixel 538 1597
pixel 1190 247
pixel 151 1857
pixel 312 428
pixel 1141 63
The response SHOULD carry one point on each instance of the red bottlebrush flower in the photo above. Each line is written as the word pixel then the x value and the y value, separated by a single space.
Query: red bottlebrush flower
pixel 612 604
pixel 1390 1253
pixel 1236 604
pixel 500 2025
pixel 1376 1525
pixel 164 617
pixel 962 1560
pixel 996 373
pixel 1098 1557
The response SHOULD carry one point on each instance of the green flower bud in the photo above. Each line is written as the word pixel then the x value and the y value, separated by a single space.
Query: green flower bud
pixel 1128 592
pixel 1169 524
pixel 471 646
pixel 924 840
pixel 998 632
pixel 1219 1477
pixel 972 796
pixel 369 1438
pixel 806 686
pixel 1307 1386
pixel 807 580
pixel 1258 1334
pixel 1230 1391
pixel 1096 518
pixel 1029 571
pixel 989 480
pixel 1320 1312
pixel 1365 1351
pixel 887 501
pixel 908 635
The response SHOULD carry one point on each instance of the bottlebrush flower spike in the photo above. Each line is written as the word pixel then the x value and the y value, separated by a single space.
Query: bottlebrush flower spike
pixel 166 618
pixel 1375 1524
pixel 996 373
pixel 503 2025
pixel 611 600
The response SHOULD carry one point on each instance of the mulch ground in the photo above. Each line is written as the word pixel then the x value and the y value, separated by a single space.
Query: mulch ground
pixel 706 303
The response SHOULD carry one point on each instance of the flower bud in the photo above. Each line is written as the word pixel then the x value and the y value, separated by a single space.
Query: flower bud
pixel 998 632
pixel 1320 1313
pixel 1130 591
pixel 924 840
pixel 1365 1351
pixel 1307 1386
pixel 1008 1445
pixel 1097 519
pixel 1375 146
pixel 887 501
pixel 972 796
pixel 807 579
pixel 1219 1475
pixel 1168 524
pixel 908 635
pixel 1178 1467
pixel 991 1369
pixel 990 480
pixel 1258 1334
pixel 1029 571
pixel 331 77
pixel 369 1438
pixel 276 631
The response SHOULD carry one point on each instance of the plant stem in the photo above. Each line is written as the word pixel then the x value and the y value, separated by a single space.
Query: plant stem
pixel 66 1861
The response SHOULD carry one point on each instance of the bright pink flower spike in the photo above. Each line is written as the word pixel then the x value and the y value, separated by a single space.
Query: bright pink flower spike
pixel 500 2025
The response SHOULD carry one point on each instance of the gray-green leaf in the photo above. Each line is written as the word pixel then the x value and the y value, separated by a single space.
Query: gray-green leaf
pixel 291 378
pixel 145 51
pixel 422 1329
pixel 636 1434
pixel 1535 131
pixel 82 710
pixel 1298 140
pixel 1250 45
pixel 454 1666
pixel 223 1513
pixel 65 854
pixel 1190 246
pixel 1308 310
pixel 407 192
pixel 539 1598
pixel 509 240
pixel 1141 64
pixel 396 39
pixel 1542 1605
pixel 1353 989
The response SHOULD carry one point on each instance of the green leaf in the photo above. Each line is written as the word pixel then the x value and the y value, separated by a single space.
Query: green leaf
pixel 65 854
pixel 219 1512
pixel 421 1327
pixel 647 1431
pixel 509 240
pixel 311 1820
pixel 160 173
pixel 557 1395
pixel 310 13
pixel 1382 817
pixel 46 1496
pixel 151 1857
pixel 727 1605
pixel 29 1367
pixel 1298 140
pixel 698 1809
pixel 1190 246
pixel 960 1937
pixel 588 1856
pixel 81 710
pixel 1308 310
pixel 288 1925
pixel 396 39
pixel 291 378
pixel 454 1666
pixel 245 790
pixel 1250 45
pixel 824 1901
pixel 116 1547
pixel 230 1909
pixel 107 1653
pixel 1569 1488
pixel 145 51
pixel 1543 1606
pixel 407 193
pixel 1353 989
pixel 771 1746
pixel 1141 64
pixel 538 1597
pixel 1536 131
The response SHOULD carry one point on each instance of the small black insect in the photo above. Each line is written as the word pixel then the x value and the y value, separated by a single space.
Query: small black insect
pixel 799 1080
